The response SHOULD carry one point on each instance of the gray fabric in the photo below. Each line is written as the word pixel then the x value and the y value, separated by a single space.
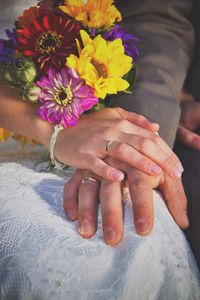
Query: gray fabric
pixel 192 83
pixel 166 47
pixel 167 42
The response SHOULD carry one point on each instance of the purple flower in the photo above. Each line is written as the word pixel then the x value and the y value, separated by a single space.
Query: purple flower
pixel 64 97
pixel 8 47
pixel 128 41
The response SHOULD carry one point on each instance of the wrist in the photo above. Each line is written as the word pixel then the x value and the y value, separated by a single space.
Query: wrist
pixel 42 132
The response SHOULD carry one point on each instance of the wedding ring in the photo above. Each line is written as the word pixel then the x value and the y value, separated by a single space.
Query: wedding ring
pixel 108 145
pixel 84 180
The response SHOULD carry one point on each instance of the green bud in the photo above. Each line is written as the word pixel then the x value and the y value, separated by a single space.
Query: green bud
pixel 32 92
pixel 27 73
pixel 8 76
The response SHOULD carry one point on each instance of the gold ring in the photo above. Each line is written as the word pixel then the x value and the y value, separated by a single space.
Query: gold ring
pixel 84 180
pixel 108 145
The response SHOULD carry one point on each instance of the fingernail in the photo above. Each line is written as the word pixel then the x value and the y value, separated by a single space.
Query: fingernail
pixel 143 226
pixel 85 228
pixel 71 214
pixel 177 172
pixel 155 124
pixel 196 143
pixel 110 235
pixel 180 167
pixel 186 220
pixel 155 169
pixel 118 176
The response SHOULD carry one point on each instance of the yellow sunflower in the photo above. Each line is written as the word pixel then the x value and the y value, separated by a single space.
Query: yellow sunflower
pixel 101 64
pixel 93 13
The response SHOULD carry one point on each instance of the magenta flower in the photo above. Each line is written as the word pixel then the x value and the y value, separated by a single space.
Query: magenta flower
pixel 64 97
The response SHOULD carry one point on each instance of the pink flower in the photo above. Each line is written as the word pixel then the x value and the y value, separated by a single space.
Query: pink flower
pixel 64 97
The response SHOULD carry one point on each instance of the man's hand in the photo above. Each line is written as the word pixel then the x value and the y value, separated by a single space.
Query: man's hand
pixel 190 121
pixel 81 202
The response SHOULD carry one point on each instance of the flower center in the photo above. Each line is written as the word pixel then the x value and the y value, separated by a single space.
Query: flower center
pixel 64 96
pixel 101 68
pixel 49 42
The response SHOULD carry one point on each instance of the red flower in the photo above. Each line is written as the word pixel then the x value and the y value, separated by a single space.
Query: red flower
pixel 49 40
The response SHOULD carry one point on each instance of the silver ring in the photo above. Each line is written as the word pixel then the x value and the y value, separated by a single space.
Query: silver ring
pixel 84 180
pixel 108 145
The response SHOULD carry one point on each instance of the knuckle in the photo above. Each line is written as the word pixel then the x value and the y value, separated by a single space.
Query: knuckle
pixel 86 213
pixel 106 193
pixel 120 148
pixel 141 118
pixel 110 216
pixel 92 161
pixel 68 189
pixel 122 123
pixel 140 209
pixel 105 131
pixel 68 205
pixel 139 185
pixel 143 163
pixel 156 139
pixel 120 111
pixel 144 144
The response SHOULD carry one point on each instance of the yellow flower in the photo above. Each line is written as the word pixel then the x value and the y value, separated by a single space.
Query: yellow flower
pixel 4 134
pixel 101 64
pixel 24 140
pixel 93 13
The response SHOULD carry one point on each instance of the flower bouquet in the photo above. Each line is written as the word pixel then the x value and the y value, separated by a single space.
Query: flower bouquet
pixel 68 56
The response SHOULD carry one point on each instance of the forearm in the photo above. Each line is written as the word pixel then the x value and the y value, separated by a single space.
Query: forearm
pixel 166 49
pixel 22 117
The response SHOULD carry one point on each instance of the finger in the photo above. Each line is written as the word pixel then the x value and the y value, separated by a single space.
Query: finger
pixel 188 138
pixel 112 211
pixel 149 149
pixel 102 169
pixel 126 127
pixel 130 156
pixel 71 189
pixel 88 208
pixel 142 199
pixel 138 119
pixel 176 200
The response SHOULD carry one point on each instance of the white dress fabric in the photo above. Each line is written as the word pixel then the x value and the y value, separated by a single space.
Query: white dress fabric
pixel 43 257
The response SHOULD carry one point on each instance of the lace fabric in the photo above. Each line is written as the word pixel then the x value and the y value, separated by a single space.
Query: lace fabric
pixel 43 257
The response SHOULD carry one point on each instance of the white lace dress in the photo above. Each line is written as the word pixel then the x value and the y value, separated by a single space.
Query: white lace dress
pixel 43 257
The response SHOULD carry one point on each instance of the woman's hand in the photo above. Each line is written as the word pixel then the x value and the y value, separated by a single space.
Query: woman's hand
pixel 84 146
pixel 133 141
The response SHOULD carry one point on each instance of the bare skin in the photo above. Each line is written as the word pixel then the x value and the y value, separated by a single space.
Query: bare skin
pixel 190 121
pixel 84 145
pixel 81 201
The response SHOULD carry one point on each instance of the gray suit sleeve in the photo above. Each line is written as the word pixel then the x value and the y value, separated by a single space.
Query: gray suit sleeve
pixel 166 47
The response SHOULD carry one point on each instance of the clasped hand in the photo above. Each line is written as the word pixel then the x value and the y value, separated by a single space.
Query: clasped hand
pixel 137 152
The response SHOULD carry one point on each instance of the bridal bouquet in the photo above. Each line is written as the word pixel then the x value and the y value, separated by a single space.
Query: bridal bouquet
pixel 69 56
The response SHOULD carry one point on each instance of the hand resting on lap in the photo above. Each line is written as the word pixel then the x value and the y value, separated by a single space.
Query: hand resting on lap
pixel 81 201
